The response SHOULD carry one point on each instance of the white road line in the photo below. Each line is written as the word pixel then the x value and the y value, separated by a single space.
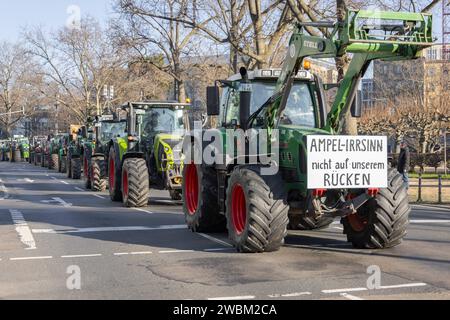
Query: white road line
pixel 344 290
pixel 23 230
pixel 429 221
pixel 65 182
pixel 79 189
pixel 437 208
pixel 98 196
pixel 121 253
pixel 338 228
pixel 142 210
pixel 4 190
pixel 31 258
pixel 350 297
pixel 289 295
pixel 83 255
pixel 407 285
pixel 213 239
pixel 176 251
pixel 141 253
pixel 108 229
pixel 234 298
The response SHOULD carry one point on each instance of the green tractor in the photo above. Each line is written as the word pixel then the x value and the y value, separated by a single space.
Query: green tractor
pixel 36 149
pixel 4 150
pixel 96 150
pixel 54 147
pixel 24 147
pixel 256 208
pixel 15 154
pixel 72 152
pixel 149 156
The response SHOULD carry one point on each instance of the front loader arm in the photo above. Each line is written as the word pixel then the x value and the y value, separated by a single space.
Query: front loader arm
pixel 368 35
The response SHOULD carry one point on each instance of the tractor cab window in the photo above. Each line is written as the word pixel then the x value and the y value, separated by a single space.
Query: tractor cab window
pixel 299 109
pixel 111 130
pixel 162 120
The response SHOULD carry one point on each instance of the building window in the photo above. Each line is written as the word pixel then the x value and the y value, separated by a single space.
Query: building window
pixel 432 54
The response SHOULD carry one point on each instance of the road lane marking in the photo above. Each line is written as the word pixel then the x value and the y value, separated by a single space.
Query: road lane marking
pixel 289 295
pixel 121 253
pixel 79 189
pixel 344 290
pixel 23 230
pixel 142 210
pixel 234 298
pixel 350 297
pixel 58 200
pixel 65 182
pixel 213 239
pixel 418 221
pixel 109 229
pixel 98 196
pixel 176 251
pixel 31 258
pixel 407 285
pixel 338 228
pixel 141 253
pixel 83 255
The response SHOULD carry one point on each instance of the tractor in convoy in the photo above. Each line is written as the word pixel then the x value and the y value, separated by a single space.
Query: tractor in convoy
pixel 4 150
pixel 103 130
pixel 257 209
pixel 72 152
pixel 36 149
pixel 149 156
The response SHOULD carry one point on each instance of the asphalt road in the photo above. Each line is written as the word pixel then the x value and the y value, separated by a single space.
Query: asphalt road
pixel 54 233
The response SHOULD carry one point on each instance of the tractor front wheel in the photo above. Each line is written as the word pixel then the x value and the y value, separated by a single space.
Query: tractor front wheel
pixel 256 210
pixel 87 172
pixel 55 162
pixel 76 168
pixel 63 164
pixel 98 173
pixel 382 222
pixel 114 176
pixel 135 183
pixel 200 203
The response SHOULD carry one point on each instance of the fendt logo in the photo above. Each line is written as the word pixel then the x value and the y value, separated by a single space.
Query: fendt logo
pixel 310 44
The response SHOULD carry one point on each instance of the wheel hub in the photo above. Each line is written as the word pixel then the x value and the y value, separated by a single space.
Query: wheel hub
pixel 238 209
pixel 191 185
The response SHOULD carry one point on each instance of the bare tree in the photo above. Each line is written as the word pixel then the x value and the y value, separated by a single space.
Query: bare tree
pixel 19 85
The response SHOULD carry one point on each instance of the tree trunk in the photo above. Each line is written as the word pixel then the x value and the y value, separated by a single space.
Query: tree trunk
pixel 349 125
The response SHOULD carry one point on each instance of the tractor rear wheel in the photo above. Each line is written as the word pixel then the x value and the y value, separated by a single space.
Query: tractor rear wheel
pixel 98 173
pixel 17 156
pixel 382 222
pixel 135 183
pixel 76 168
pixel 63 164
pixel 200 203
pixel 87 172
pixel 114 176
pixel 69 166
pixel 256 210
pixel 55 162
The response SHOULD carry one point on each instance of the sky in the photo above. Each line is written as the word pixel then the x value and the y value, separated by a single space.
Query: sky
pixel 17 14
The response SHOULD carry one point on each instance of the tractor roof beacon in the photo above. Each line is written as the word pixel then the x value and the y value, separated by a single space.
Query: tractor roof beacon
pixel 258 209
pixel 150 155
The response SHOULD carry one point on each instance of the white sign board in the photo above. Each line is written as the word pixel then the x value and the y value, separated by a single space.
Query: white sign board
pixel 347 162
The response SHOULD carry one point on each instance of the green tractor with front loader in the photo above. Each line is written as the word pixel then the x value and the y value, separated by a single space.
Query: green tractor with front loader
pixel 103 130
pixel 291 108
pixel 150 154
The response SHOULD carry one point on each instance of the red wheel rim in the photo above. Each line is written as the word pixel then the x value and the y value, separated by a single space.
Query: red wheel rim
pixel 125 183
pixel 191 186
pixel 238 209
pixel 357 222
pixel 112 173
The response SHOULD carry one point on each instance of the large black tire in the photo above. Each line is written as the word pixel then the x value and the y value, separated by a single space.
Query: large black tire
pixel 69 166
pixel 98 174
pixel 135 183
pixel 76 168
pixel 382 222
pixel 200 202
pixel 55 162
pixel 300 222
pixel 114 176
pixel 87 172
pixel 256 210
pixel 63 164
pixel 17 155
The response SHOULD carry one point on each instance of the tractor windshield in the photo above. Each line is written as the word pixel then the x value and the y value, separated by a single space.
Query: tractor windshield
pixel 299 108
pixel 162 120
pixel 111 130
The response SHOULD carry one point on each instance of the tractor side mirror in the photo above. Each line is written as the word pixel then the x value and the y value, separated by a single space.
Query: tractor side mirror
pixel 213 101
pixel 356 108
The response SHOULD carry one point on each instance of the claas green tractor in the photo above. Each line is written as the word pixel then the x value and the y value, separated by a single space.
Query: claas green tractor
pixel 291 108
pixel 102 131
pixel 150 154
